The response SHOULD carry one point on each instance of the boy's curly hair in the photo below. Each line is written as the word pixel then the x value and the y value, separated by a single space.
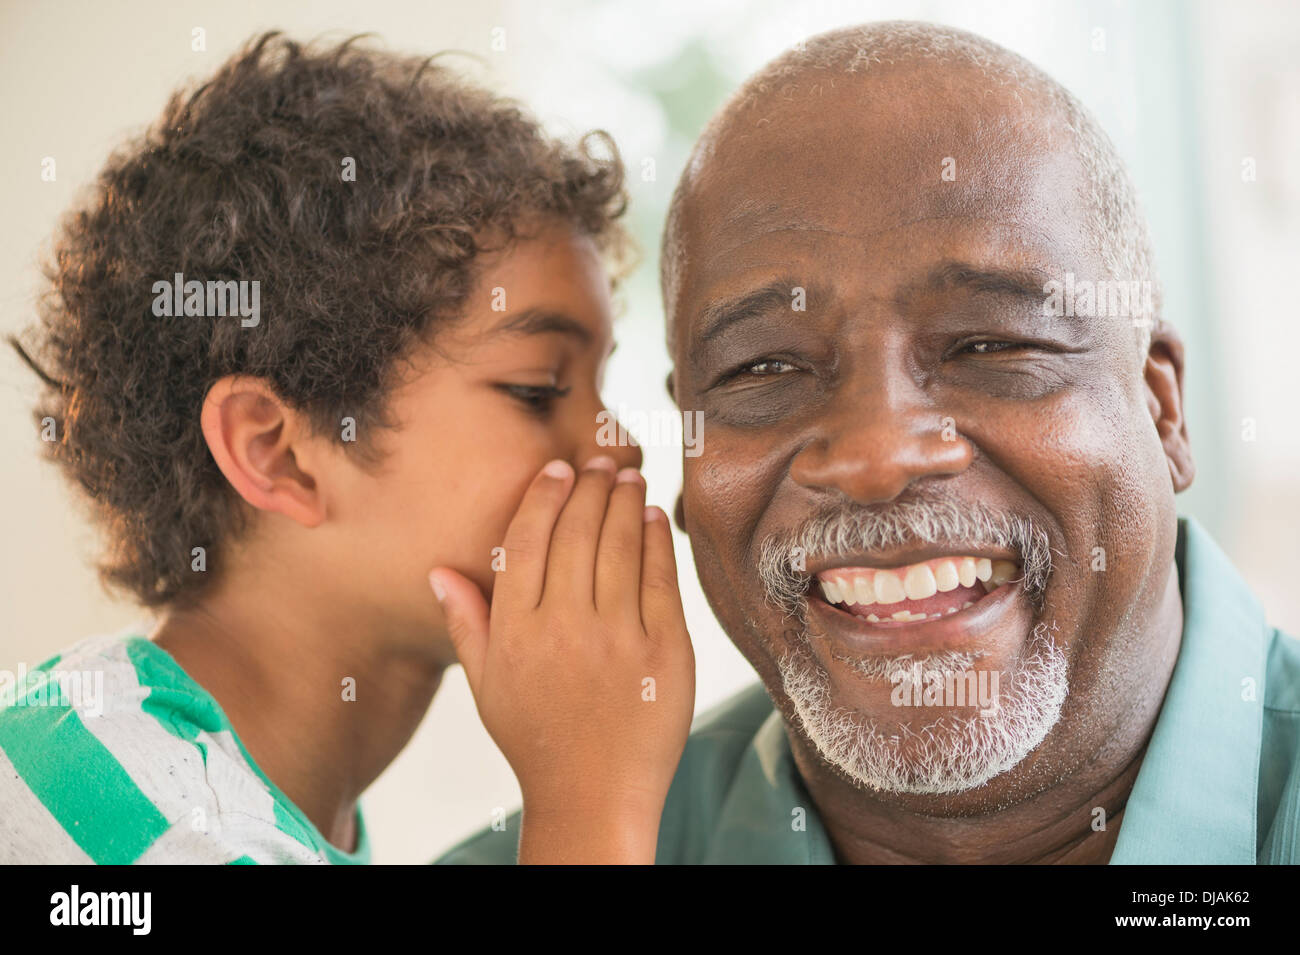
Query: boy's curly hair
pixel 241 179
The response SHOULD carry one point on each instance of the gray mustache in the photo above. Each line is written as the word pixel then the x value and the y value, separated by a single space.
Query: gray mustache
pixel 849 530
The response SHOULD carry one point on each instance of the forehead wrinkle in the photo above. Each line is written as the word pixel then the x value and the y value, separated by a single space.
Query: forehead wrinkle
pixel 724 251
pixel 886 230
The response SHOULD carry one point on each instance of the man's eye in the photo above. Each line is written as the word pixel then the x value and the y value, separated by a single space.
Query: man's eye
pixel 764 367
pixel 536 398
pixel 768 366
pixel 991 346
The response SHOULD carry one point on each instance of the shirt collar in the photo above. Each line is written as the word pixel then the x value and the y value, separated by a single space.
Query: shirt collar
pixel 1196 796
pixel 768 816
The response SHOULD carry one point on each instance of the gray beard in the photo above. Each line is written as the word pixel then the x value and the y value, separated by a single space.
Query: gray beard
pixel 949 755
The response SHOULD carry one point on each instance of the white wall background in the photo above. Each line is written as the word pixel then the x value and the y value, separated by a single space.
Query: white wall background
pixel 1187 90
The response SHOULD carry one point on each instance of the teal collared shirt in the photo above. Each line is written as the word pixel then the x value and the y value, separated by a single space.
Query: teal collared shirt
pixel 1220 782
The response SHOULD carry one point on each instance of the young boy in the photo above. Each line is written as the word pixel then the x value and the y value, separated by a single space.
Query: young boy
pixel 340 319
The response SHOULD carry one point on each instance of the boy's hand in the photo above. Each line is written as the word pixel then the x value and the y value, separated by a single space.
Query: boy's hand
pixel 583 672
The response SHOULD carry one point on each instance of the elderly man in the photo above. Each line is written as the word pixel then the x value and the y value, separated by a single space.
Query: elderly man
pixel 908 283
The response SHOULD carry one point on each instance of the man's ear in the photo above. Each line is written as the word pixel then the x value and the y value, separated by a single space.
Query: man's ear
pixel 679 508
pixel 252 435
pixel 1163 372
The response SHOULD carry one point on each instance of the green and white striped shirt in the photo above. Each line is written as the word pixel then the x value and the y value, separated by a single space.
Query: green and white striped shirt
pixel 110 753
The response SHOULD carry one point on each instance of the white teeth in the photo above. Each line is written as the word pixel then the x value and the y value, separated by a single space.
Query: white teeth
pixel 873 618
pixel 966 572
pixel 863 592
pixel 1003 570
pixel 919 583
pixel 951 610
pixel 906 616
pixel 945 577
pixel 969 603
pixel 889 589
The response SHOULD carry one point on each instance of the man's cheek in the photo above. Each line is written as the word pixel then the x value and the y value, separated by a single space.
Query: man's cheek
pixel 725 493
pixel 1071 452
pixel 1083 462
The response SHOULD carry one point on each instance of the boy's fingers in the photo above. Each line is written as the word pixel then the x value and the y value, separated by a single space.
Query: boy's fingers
pixel 618 556
pixel 571 567
pixel 661 600
pixel 467 620
pixel 528 539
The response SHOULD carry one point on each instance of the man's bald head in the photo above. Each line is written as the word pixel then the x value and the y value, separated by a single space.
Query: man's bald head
pixel 1113 219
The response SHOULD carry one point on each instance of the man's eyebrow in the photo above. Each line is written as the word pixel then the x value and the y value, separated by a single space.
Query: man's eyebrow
pixel 720 315
pixel 1020 283
pixel 542 321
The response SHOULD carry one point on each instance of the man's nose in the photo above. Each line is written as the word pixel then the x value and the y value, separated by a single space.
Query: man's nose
pixel 872 443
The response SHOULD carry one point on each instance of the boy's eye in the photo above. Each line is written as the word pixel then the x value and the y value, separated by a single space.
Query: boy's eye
pixel 536 398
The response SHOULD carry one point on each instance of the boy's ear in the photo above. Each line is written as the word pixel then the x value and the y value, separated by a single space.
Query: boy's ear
pixel 252 435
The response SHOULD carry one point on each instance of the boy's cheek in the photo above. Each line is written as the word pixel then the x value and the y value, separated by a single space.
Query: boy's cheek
pixel 449 507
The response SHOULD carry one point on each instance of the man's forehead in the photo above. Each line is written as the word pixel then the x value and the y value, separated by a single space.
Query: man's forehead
pixel 929 149
pixel 1023 221
pixel 870 153
pixel 1004 217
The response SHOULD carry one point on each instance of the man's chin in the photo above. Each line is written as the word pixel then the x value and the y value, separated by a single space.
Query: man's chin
pixel 941 719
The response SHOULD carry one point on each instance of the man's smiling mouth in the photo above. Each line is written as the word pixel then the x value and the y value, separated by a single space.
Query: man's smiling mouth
pixel 907 594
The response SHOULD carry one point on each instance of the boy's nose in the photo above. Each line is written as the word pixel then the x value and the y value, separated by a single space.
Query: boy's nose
pixel 613 440
pixel 628 457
